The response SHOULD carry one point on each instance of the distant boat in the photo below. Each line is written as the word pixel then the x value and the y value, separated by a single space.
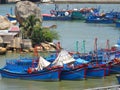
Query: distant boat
pixel 117 23
pixel 82 13
pixel 23 70
pixel 12 18
pixel 33 0
pixel 99 19
pixel 57 15
pixel 103 18
pixel 77 15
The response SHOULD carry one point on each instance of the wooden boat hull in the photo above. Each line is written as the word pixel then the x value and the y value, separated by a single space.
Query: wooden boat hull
pixel 115 69
pixel 52 18
pixel 97 72
pixel 117 24
pixel 104 21
pixel 74 74
pixel 77 15
pixel 50 75
pixel 118 78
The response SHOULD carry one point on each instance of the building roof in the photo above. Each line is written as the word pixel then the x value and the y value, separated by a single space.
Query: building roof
pixel 5 32
pixel 14 29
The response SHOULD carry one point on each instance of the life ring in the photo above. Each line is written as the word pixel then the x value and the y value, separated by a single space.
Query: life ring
pixel 66 13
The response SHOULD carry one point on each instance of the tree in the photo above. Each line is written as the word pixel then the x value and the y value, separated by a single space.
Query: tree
pixel 28 26
pixel 32 29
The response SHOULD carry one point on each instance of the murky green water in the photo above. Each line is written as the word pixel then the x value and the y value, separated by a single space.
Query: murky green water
pixel 70 32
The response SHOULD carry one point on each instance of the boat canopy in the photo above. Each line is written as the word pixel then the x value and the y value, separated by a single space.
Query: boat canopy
pixel 82 61
pixel 42 63
pixel 63 58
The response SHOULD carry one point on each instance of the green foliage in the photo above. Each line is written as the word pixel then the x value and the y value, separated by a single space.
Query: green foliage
pixel 32 28
pixel 49 34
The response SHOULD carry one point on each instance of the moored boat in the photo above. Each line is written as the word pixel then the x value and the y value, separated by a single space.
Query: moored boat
pixel 97 70
pixel 97 19
pixel 57 15
pixel 12 18
pixel 38 71
pixel 118 78
pixel 117 23
pixel 70 71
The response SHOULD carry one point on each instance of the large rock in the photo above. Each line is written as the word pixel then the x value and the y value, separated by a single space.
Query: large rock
pixel 23 9
pixel 4 23
pixel 48 46
pixel 3 50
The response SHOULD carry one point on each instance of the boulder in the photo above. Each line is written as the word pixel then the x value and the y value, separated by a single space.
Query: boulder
pixel 48 47
pixel 3 50
pixel 24 9
pixel 4 23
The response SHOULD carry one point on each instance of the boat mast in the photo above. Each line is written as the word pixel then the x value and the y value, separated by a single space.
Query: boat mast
pixel 84 51
pixel 77 47
pixel 95 51
pixel 107 45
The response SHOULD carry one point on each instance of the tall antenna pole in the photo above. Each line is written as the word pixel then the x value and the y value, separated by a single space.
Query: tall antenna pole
pixel 95 51
pixel 77 46
pixel 95 45
pixel 84 51
pixel 107 45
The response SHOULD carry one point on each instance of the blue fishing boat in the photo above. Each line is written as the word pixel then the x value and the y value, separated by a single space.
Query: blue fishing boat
pixel 98 65
pixel 117 23
pixel 118 78
pixel 97 70
pixel 114 56
pixel 115 62
pixel 11 18
pixel 73 74
pixel 57 15
pixel 70 71
pixel 40 70
pixel 104 18
pixel 98 19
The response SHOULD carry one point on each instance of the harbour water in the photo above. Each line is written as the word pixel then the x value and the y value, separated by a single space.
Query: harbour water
pixel 70 32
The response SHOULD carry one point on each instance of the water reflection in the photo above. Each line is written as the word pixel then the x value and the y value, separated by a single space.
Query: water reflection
pixel 16 84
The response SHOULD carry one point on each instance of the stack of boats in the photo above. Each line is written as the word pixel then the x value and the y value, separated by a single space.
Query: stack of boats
pixel 90 15
pixel 65 66
pixel 67 14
